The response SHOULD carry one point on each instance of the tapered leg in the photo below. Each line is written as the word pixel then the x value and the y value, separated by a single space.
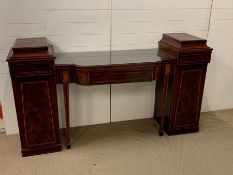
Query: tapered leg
pixel 67 113
pixel 164 97
pixel 65 81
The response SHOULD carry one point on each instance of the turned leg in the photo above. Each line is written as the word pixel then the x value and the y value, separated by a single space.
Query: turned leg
pixel 164 97
pixel 67 111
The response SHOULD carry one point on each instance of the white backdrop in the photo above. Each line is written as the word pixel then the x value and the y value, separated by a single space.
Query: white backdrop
pixel 101 25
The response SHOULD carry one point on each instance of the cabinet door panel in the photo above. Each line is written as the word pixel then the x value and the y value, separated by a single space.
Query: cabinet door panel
pixel 187 96
pixel 36 106
pixel 38 113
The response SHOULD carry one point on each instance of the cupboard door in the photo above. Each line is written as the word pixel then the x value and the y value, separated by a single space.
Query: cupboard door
pixel 187 97
pixel 37 112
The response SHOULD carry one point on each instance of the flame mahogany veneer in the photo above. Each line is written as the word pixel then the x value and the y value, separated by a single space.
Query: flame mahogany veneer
pixel 179 74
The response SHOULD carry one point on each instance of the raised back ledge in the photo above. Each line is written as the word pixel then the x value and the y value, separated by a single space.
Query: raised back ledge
pixel 183 41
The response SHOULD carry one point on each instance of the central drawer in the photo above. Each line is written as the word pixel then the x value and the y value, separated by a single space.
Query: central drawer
pixel 111 74
pixel 121 76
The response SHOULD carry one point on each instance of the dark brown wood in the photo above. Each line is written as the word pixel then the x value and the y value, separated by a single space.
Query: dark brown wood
pixel 67 110
pixel 24 69
pixel 180 53
pixel 184 49
pixel 110 74
pixel 60 69
pixel 105 74
pixel 34 87
pixel 189 56
pixel 186 98
pixel 180 75
pixel 30 44
pixel 164 97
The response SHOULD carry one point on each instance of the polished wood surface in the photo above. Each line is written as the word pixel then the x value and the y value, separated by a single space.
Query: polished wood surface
pixel 178 66
pixel 32 44
pixel 121 67
pixel 167 70
pixel 100 58
pixel 106 74
pixel 99 68
pixel 65 83
pixel 34 87
pixel 187 96
pixel 189 56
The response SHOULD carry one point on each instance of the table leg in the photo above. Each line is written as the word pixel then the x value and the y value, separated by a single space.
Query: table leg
pixel 67 113
pixel 65 77
pixel 164 97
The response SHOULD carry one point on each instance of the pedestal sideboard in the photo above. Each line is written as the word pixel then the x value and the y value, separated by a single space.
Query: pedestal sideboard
pixel 179 67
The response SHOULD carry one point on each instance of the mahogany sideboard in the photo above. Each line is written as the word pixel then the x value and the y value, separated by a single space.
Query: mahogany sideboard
pixel 179 67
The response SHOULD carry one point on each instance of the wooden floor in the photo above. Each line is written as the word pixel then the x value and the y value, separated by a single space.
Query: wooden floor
pixel 131 148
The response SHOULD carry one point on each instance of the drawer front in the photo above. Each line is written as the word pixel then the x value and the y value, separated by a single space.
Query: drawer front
pixel 32 68
pixel 123 76
pixel 194 58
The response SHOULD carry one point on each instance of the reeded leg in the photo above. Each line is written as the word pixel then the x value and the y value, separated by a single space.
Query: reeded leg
pixel 164 96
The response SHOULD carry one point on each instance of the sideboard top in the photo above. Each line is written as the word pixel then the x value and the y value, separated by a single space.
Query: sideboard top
pixel 108 58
